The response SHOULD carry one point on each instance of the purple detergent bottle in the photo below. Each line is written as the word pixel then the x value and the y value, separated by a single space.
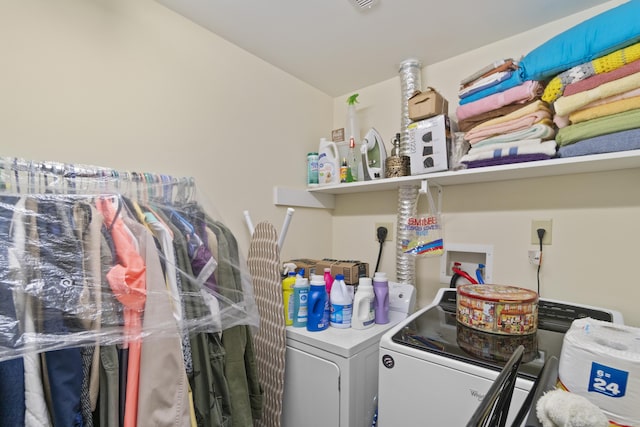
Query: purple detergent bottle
pixel 381 291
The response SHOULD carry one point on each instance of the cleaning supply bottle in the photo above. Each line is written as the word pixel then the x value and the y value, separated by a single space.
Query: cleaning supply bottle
pixel 381 291
pixel 341 305
pixel 328 162
pixel 328 279
pixel 318 315
pixel 352 136
pixel 364 315
pixel 287 297
pixel 344 170
pixel 300 301
pixel 353 162
pixel 312 168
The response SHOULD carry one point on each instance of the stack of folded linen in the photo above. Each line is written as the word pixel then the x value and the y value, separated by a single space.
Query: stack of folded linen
pixel 583 56
pixel 504 123
pixel 524 134
pixel 597 104
pixel 592 73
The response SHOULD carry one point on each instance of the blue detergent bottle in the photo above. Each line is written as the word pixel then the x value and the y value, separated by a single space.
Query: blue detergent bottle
pixel 317 315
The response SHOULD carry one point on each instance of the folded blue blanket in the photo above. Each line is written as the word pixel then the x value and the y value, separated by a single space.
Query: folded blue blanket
pixel 468 92
pixel 609 143
pixel 514 80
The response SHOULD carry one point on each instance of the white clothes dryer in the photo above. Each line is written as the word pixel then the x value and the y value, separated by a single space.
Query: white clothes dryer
pixel 331 376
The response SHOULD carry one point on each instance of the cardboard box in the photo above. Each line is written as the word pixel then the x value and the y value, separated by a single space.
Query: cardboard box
pixel 429 144
pixel 308 264
pixel 429 103
pixel 352 270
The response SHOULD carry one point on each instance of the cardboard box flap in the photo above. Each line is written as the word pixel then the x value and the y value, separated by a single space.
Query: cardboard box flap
pixel 351 269
pixel 425 104
pixel 419 97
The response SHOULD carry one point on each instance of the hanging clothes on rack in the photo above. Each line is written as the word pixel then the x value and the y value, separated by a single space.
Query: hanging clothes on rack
pixel 123 303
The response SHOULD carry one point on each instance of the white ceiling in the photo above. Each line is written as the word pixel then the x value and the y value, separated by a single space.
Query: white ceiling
pixel 338 48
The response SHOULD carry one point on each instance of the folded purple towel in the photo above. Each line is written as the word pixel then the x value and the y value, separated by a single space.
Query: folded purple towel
pixel 507 160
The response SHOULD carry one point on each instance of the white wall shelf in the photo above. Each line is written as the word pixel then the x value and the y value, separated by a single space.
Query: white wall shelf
pixel 300 197
pixel 535 169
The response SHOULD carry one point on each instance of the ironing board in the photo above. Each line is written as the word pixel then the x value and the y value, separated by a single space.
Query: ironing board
pixel 263 261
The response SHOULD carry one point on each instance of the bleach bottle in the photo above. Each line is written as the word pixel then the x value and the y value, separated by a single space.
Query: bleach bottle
pixel 381 290
pixel 318 315
pixel 328 162
pixel 300 300
pixel 364 315
pixel 341 304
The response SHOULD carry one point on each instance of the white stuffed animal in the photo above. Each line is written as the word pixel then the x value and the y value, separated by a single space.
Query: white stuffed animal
pixel 559 408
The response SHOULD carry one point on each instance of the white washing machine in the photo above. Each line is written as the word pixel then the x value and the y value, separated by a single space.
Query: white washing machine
pixel 331 376
pixel 434 371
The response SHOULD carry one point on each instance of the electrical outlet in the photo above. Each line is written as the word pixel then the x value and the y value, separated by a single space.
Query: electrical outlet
pixel 541 223
pixel 388 226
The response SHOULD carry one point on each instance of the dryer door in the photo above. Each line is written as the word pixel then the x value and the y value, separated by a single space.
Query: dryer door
pixel 311 391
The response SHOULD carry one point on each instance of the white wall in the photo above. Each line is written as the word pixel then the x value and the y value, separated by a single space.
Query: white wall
pixel 595 229
pixel 131 85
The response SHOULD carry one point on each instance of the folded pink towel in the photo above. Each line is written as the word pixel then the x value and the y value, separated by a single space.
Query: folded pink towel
pixel 598 79
pixel 519 94
pixel 476 135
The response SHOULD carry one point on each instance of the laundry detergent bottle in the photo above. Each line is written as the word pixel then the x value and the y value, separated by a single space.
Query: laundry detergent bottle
pixel 287 297
pixel 341 304
pixel 328 162
pixel 364 315
pixel 300 302
pixel 381 291
pixel 317 314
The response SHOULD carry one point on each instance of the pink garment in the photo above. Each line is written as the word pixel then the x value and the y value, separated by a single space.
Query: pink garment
pixel 598 79
pixel 514 125
pixel 519 94
pixel 127 280
pixel 563 121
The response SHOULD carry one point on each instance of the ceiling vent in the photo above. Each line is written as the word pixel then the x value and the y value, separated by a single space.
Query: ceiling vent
pixel 364 4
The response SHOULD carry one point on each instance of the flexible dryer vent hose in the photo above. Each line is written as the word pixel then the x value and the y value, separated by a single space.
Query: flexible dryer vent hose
pixel 410 81
pixel 405 264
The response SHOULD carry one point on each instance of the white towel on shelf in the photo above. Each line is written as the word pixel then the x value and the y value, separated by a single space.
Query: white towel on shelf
pixel 546 147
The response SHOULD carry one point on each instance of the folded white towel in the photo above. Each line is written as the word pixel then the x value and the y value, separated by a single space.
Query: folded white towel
pixel 546 147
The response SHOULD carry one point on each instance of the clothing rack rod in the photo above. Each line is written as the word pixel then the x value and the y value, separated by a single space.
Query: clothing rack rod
pixel 285 226
pixel 70 170
pixel 247 218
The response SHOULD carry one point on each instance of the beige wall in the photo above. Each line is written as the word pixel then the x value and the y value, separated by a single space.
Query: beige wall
pixel 595 228
pixel 132 85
